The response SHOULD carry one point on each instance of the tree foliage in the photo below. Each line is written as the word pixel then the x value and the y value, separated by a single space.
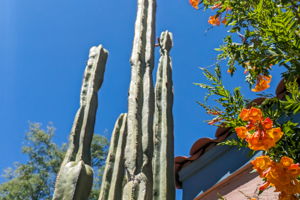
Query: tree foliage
pixel 268 31
pixel 263 34
pixel 268 34
pixel 35 179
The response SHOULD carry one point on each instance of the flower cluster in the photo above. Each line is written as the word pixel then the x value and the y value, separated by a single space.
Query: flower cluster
pixel 259 132
pixel 282 175
pixel 262 83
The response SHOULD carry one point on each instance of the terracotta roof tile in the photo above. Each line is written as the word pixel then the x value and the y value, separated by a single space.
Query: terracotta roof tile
pixel 180 159
pixel 198 149
pixel 280 88
pixel 196 155
pixel 201 143
pixel 221 131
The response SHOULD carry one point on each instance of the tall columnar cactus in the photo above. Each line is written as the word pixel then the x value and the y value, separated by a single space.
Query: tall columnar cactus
pixel 139 147
pixel 113 177
pixel 75 177
pixel 163 162
pixel 133 163
pixel 148 95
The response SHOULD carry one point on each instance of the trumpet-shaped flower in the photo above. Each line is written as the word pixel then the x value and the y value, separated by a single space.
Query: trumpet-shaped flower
pixel 242 132
pixel 259 132
pixel 262 83
pixel 282 175
pixel 253 114
pixel 214 20
pixel 195 3
pixel 284 196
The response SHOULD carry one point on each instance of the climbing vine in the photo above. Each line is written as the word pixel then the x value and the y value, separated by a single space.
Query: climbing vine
pixel 268 37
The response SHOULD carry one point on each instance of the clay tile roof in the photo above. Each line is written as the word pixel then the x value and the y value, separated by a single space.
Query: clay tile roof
pixel 204 144
pixel 280 88
pixel 180 159
pixel 221 132
pixel 199 144
pixel 197 150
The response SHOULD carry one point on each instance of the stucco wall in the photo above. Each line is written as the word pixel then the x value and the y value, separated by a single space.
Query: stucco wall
pixel 211 168
pixel 239 186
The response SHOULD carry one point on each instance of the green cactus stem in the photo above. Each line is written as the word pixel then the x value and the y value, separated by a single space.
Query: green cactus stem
pixel 75 177
pixel 163 163
pixel 113 177
pixel 139 147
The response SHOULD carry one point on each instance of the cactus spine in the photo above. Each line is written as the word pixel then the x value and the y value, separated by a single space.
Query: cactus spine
pixel 163 163
pixel 75 177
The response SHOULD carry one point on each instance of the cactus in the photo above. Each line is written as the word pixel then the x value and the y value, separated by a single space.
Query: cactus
pixel 163 163
pixel 75 177
pixel 111 187
pixel 148 93
pixel 139 147
pixel 134 165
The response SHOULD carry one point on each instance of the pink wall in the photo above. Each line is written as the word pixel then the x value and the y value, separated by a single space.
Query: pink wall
pixel 239 186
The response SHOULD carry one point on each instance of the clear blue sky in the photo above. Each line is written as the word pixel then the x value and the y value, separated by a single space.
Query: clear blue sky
pixel 44 47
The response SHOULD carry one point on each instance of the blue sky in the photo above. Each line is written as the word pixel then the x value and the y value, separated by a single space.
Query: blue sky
pixel 44 47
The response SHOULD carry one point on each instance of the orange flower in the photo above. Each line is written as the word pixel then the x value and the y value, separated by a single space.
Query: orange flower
pixel 286 161
pixel 267 123
pixel 262 83
pixel 214 20
pixel 259 132
pixel 261 163
pixel 244 115
pixel 255 114
pixel 284 196
pixel 294 169
pixel 275 133
pixel 224 21
pixel 242 132
pixel 282 175
pixel 260 141
pixel 229 71
pixel 195 3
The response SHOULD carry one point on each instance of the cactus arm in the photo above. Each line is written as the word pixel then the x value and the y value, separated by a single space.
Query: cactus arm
pixel 163 164
pixel 135 98
pixel 93 79
pixel 114 161
pixel 117 180
pixel 75 177
pixel 148 97
pixel 138 158
pixel 157 133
